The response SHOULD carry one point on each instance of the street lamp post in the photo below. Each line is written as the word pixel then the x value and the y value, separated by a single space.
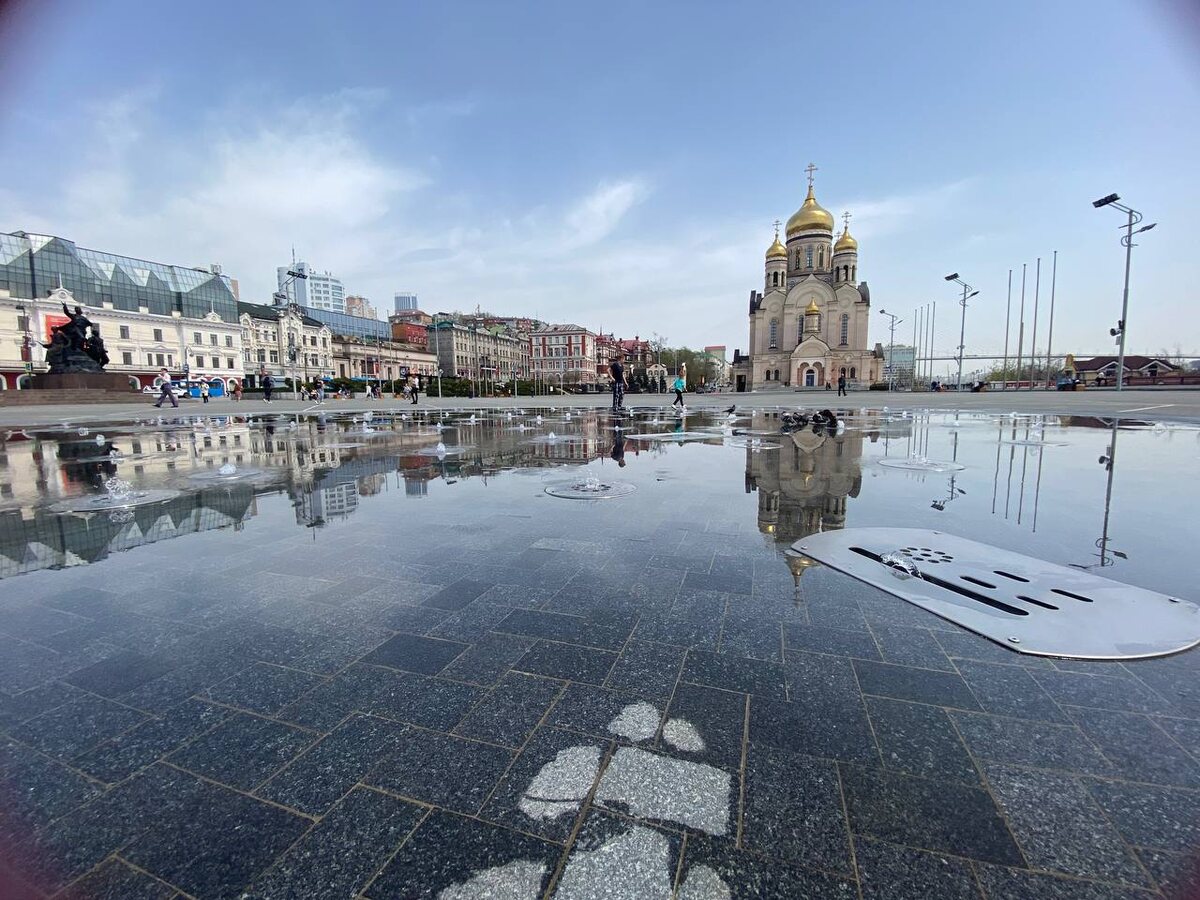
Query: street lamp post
pixel 1134 217
pixel 968 293
pixel 895 320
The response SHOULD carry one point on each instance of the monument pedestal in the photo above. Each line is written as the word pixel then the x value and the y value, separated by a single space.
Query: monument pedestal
pixel 75 387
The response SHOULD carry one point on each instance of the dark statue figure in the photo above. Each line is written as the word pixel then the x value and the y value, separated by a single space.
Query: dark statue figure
pixel 72 348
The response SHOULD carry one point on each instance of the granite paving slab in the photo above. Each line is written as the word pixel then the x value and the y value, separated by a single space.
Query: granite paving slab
pixel 488 659
pixel 413 653
pixel 567 662
pixel 1006 690
pixel 441 769
pixel 242 751
pixel 343 852
pixel 1024 743
pixel 706 725
pixel 713 868
pixel 1162 818
pixel 646 667
pixel 511 710
pixel 890 872
pixel 116 880
pixel 919 740
pixel 919 685
pixel 77 726
pixel 733 673
pixel 1138 749
pixel 263 688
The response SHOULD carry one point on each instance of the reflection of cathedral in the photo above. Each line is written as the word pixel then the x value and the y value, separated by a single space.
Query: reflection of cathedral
pixel 808 325
pixel 802 487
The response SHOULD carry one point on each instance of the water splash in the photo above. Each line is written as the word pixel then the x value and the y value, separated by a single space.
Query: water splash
pixel 552 436
pixel 440 449
pixel 901 565
pixel 539 420
pixel 227 469
pixel 83 432
pixel 117 489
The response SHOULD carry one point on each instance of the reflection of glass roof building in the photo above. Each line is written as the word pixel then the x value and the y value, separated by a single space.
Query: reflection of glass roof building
pixel 31 265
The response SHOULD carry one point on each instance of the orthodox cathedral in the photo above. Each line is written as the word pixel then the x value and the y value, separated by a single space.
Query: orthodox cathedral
pixel 808 325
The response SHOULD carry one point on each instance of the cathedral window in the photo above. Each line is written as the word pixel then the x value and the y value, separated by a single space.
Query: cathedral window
pixel 845 329
pixel 853 372
pixel 808 256
pixel 774 279
pixel 776 374
pixel 853 272
pixel 821 257
pixel 773 335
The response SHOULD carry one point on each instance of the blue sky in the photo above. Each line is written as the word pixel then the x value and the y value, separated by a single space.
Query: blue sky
pixel 619 164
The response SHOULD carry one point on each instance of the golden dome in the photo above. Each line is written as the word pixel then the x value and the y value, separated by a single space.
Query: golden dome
pixel 812 308
pixel 810 216
pixel 846 242
pixel 777 249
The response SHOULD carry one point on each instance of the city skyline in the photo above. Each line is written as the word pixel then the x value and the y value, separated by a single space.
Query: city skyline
pixel 643 201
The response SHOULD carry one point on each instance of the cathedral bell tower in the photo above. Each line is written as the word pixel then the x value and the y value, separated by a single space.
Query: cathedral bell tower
pixel 777 258
pixel 845 256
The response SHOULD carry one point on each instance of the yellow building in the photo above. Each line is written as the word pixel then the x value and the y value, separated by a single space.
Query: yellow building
pixel 809 324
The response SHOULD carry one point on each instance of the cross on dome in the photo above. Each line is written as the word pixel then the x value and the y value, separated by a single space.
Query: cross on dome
pixel 810 168
pixel 846 219
pixel 777 223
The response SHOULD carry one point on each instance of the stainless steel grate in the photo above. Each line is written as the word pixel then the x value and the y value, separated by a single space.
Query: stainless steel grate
pixel 1026 604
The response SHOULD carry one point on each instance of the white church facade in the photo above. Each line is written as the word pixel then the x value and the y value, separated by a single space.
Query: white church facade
pixel 808 325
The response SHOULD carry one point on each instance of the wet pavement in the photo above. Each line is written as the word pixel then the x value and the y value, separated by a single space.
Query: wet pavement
pixel 272 656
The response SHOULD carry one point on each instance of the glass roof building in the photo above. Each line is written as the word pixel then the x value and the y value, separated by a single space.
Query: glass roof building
pixel 32 265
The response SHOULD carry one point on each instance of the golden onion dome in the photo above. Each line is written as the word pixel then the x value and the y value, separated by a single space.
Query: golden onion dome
pixel 846 243
pixel 777 250
pixel 811 216
pixel 812 308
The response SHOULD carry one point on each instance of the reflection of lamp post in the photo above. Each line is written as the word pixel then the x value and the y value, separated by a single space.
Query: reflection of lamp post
pixel 892 349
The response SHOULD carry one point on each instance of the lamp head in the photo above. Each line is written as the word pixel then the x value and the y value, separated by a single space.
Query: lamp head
pixel 1145 228
pixel 1104 201
pixel 972 294
pixel 952 277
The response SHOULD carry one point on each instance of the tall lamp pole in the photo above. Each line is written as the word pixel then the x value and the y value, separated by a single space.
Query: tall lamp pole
pixel 891 348
pixel 968 293
pixel 1134 218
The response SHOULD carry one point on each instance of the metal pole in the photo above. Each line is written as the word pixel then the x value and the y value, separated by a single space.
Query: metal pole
pixel 1037 287
pixel 1125 302
pixel 1050 332
pixel 1021 328
pixel 892 356
pixel 912 373
pixel 1007 317
pixel 932 337
pixel 918 350
pixel 962 334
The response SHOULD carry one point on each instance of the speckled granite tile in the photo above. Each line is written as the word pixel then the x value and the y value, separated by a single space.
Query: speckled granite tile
pixel 1060 827
pixel 1176 874
pixel 706 725
pixel 792 809
pixel 944 816
pixel 1101 692
pixel 918 685
pixel 1138 749
pixel 115 880
pixel 889 872
pixel 1016 884
pixel 118 758
pixel 567 662
pixel 614 857
pixel 1023 743
pixel 449 856
pixel 342 853
pixel 18 708
pixel 837 641
pixel 263 688
pixel 318 777
pixel 511 710
pixel 413 653
pixel 77 726
pixel 441 769
pixel 648 668
pixel 1162 818
pixel 712 868
pixel 488 659
pixel 732 673
pixel 243 751
pixel 544 789
pixel 919 740
pixel 1009 691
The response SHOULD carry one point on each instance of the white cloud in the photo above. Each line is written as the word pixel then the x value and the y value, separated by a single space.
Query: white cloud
pixel 598 214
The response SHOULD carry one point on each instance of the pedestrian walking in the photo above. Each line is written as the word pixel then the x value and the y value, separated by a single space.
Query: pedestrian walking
pixel 268 386
pixel 320 391
pixel 165 392
pixel 204 391
pixel 414 388
pixel 237 392
pixel 617 369
pixel 679 387
pixel 842 385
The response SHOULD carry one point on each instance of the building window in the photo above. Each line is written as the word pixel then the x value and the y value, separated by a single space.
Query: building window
pixel 845 329
pixel 774 279
pixel 229 362
pixel 229 340
pixel 159 359
pixel 127 359
pixel 149 359
pixel 199 362
pixel 808 256
pixel 776 375
pixel 158 335
pixel 262 356
pixel 197 337
pixel 773 335
pixel 853 372
pixel 212 339
pixel 274 356
pixel 821 257
pixel 123 331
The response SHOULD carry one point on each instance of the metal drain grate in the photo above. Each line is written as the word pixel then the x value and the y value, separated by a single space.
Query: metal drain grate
pixel 1026 604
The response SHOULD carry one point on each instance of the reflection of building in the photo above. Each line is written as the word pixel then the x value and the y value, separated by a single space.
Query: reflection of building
pixel 898 362
pixel 803 486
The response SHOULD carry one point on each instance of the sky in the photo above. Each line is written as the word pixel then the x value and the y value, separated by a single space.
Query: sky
pixel 619 164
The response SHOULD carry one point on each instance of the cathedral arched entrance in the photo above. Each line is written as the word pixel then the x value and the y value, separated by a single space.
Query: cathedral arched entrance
pixel 810 374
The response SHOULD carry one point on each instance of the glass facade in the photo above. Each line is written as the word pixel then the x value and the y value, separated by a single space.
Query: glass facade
pixel 32 265
pixel 350 326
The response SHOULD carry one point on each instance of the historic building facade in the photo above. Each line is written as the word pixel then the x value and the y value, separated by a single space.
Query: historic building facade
pixel 809 323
